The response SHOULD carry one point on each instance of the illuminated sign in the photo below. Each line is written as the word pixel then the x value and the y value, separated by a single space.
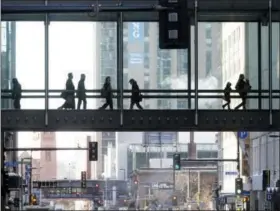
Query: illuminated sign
pixel 136 31
pixel 162 185
pixel 136 58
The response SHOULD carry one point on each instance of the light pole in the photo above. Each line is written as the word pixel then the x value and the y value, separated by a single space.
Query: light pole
pixel 277 136
pixel 124 175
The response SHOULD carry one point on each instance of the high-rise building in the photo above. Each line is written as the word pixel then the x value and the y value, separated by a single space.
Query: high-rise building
pixel 241 56
pixel 48 159
pixel 151 67
pixel 8 71
pixel 8 58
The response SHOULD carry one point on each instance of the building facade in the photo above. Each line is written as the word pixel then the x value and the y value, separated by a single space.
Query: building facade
pixel 48 159
pixel 151 67
pixel 241 56
pixel 8 72
pixel 153 156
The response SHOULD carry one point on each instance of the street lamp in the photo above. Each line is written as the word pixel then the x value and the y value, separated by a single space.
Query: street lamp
pixel 277 136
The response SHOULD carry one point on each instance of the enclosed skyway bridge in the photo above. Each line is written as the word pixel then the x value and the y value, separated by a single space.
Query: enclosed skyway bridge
pixel 192 119
pixel 136 10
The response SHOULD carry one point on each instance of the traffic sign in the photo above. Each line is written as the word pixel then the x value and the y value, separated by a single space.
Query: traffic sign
pixel 242 134
pixel 269 196
pixel 231 173
pixel 28 168
pixel 11 164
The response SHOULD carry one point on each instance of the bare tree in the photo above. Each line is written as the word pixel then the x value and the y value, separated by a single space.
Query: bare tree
pixel 190 187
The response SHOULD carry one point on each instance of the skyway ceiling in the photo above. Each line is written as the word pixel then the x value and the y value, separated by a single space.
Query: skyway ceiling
pixel 208 10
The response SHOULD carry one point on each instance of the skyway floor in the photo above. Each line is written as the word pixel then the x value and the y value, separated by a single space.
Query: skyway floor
pixel 135 120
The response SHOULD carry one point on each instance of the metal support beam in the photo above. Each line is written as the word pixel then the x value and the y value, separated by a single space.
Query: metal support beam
pixel 45 149
pixel 260 64
pixel 3 196
pixel 270 59
pixel 135 120
pixel 47 23
pixel 120 64
pixel 146 10
pixel 208 160
pixel 196 61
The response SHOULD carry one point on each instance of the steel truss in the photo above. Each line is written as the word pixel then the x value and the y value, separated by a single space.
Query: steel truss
pixel 136 10
pixel 135 120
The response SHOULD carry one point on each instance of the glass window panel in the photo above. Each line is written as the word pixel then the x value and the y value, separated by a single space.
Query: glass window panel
pixel 223 61
pixel 167 69
pixel 22 57
pixel 82 48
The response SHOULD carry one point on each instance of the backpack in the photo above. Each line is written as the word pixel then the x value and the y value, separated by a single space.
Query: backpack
pixel 103 92
pixel 140 97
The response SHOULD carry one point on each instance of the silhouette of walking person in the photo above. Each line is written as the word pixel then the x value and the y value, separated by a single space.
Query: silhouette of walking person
pixel 106 92
pixel 68 94
pixel 81 93
pixel 242 87
pixel 226 98
pixel 136 96
pixel 16 93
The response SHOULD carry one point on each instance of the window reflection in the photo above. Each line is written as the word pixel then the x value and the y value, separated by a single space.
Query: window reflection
pixel 151 67
pixel 225 50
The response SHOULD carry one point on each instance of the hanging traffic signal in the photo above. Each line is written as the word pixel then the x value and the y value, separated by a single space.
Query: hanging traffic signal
pixel 83 179
pixel 174 26
pixel 246 199
pixel 33 199
pixel 96 187
pixel 6 181
pixel 265 179
pixel 16 202
pixel 177 162
pixel 93 151
pixel 174 201
pixel 238 186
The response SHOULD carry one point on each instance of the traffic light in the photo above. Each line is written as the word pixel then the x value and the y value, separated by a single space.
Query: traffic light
pixel 93 151
pixel 238 186
pixel 246 199
pixel 83 179
pixel 6 181
pixel 16 202
pixel 135 182
pixel 177 162
pixel 174 201
pixel 33 199
pixel 96 187
pixel 265 179
pixel 174 25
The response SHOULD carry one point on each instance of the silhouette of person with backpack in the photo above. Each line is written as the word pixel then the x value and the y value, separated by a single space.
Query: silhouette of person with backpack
pixel 68 94
pixel 136 96
pixel 242 87
pixel 226 97
pixel 81 93
pixel 16 93
pixel 106 92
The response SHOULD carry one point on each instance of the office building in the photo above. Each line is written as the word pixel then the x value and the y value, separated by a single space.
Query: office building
pixel 154 156
pixel 240 56
pixel 151 67
pixel 48 159
pixel 8 61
